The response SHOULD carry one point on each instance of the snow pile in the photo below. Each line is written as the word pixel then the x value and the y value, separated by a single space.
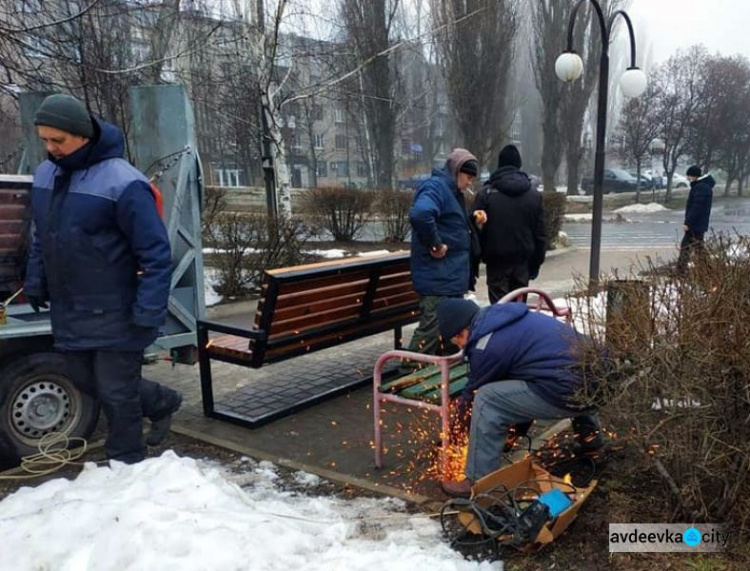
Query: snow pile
pixel 643 208
pixel 210 280
pixel 328 254
pixel 178 513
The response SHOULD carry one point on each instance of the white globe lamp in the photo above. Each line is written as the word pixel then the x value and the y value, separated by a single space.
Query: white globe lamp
pixel 569 66
pixel 633 82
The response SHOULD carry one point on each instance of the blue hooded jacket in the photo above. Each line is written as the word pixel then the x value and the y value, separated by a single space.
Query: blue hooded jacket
pixel 100 252
pixel 509 342
pixel 698 207
pixel 438 216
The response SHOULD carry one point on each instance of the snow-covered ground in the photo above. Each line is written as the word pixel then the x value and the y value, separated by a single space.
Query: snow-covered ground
pixel 643 208
pixel 211 279
pixel 173 513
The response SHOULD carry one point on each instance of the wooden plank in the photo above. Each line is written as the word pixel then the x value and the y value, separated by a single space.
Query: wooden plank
pixel 432 383
pixel 304 298
pixel 286 288
pixel 454 389
pixel 315 320
pixel 309 343
pixel 317 307
pixel 410 379
pixel 395 289
pixel 343 262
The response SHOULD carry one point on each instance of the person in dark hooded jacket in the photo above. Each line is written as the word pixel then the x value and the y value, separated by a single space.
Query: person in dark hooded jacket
pixel 513 239
pixel 101 257
pixel 697 215
pixel 441 244
pixel 523 365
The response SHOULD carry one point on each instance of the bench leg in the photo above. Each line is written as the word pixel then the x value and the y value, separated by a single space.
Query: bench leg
pixel 204 363
pixel 376 382
pixel 398 336
pixel 445 403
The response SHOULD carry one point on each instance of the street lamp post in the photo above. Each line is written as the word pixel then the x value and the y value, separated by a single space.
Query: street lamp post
pixel 569 67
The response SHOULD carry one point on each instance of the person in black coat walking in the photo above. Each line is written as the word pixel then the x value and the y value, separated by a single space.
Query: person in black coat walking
pixel 697 214
pixel 512 236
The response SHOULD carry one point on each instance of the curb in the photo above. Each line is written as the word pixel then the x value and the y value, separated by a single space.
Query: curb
pixel 301 466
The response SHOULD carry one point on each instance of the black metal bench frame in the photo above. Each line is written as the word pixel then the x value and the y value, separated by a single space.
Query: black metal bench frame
pixel 293 345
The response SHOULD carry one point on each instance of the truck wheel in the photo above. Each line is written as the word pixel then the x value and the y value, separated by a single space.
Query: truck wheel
pixel 36 398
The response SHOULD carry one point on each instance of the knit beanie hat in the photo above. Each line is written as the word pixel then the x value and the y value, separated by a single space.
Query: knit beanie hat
pixel 509 157
pixel 470 167
pixel 454 315
pixel 66 113
pixel 695 171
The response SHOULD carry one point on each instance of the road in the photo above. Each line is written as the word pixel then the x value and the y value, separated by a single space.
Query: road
pixel 660 229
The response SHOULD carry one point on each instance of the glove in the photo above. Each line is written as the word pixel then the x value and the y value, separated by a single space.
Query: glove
pixel 36 302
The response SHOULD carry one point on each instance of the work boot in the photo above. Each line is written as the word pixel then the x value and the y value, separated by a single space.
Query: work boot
pixel 160 427
pixel 460 489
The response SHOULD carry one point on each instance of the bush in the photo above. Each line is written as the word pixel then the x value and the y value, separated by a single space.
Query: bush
pixel 246 245
pixel 554 204
pixel 393 207
pixel 676 379
pixel 343 212
pixel 214 204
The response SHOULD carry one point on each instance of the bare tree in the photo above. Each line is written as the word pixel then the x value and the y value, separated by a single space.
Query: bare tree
pixel 475 45
pixel 678 82
pixel 733 120
pixel 368 27
pixel 638 127
pixel 550 22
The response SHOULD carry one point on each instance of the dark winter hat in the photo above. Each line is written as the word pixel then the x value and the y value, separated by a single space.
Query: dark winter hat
pixel 66 113
pixel 470 167
pixel 695 171
pixel 454 315
pixel 509 157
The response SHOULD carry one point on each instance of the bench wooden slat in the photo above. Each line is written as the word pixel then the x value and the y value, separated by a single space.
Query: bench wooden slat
pixel 285 300
pixel 432 384
pixel 323 282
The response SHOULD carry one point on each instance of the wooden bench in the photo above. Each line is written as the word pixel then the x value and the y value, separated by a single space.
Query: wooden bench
pixel 433 387
pixel 308 308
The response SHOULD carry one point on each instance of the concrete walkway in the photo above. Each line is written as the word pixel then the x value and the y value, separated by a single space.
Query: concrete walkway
pixel 333 438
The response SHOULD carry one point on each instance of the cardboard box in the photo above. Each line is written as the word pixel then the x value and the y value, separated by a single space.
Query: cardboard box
pixel 535 480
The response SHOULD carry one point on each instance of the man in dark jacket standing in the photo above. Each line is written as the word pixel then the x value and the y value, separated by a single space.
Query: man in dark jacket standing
pixel 441 244
pixel 513 239
pixel 523 366
pixel 101 257
pixel 697 214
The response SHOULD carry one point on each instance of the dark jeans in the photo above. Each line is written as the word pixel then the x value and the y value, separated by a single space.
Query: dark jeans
pixel 692 243
pixel 501 280
pixel 114 378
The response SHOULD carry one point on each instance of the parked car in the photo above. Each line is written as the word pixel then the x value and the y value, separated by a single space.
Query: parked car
pixel 647 183
pixel 679 181
pixel 615 180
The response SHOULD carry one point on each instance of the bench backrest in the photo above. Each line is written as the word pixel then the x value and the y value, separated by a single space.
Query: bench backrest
pixel 307 308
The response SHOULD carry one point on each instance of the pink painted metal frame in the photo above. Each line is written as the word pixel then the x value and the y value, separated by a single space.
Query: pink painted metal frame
pixel 543 303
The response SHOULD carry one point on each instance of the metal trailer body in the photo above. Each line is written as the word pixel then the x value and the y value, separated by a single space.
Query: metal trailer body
pixel 36 395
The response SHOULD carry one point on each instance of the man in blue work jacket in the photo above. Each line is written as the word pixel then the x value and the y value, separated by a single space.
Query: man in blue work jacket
pixel 523 365
pixel 101 257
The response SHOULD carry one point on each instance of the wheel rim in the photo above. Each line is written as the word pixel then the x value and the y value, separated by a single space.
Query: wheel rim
pixel 45 403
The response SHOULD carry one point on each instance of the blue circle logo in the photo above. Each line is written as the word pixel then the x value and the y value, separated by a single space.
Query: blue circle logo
pixel 691 536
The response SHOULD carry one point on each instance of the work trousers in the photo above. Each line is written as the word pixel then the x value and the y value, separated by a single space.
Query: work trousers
pixel 114 378
pixel 426 337
pixel 501 404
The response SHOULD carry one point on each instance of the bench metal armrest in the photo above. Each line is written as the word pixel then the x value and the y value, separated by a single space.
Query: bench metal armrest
pixel 257 334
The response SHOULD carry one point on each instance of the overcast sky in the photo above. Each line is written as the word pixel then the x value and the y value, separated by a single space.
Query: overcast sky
pixel 720 25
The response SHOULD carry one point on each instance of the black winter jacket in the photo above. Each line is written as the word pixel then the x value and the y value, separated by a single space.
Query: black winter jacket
pixel 514 234
pixel 698 207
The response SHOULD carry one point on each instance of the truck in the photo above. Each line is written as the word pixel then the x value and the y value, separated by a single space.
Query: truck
pixel 37 397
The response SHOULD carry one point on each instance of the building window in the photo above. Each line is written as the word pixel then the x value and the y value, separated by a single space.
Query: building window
pixel 334 166
pixel 405 146
pixel 321 169
pixel 362 169
pixel 338 115
pixel 318 112
pixel 228 177
pixel 343 168
pixel 319 141
pixel 340 141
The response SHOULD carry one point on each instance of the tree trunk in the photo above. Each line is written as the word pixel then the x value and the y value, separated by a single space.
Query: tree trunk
pixel 638 182
pixel 728 185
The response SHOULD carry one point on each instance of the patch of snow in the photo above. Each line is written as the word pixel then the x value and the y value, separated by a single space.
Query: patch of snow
pixel 210 280
pixel 329 254
pixel 179 513
pixel 375 253
pixel 643 208
pixel 224 251
pixel 306 479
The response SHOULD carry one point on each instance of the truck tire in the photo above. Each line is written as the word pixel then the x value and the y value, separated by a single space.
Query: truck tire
pixel 36 398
